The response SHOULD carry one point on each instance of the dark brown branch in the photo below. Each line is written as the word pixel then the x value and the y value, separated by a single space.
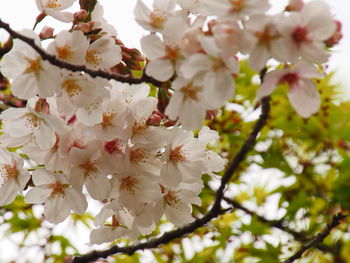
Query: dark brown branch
pixel 318 239
pixel 77 68
pixel 214 212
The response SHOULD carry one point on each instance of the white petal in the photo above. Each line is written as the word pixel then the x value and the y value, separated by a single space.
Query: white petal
pixel 305 98
pixel 56 209
pixel 77 200
pixel 160 69
pixel 153 46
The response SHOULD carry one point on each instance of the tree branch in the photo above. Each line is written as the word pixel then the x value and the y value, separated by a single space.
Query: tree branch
pixel 78 68
pixel 318 239
pixel 214 212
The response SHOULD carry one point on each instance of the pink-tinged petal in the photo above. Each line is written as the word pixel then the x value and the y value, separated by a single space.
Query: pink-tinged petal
pixel 179 216
pixel 304 98
pixel 209 46
pixel 259 57
pixel 192 115
pixel 23 179
pixel 77 200
pixel 43 176
pixel 56 209
pixel 98 186
pixel 315 52
pixel 45 137
pixel 218 87
pixel 103 215
pixel 38 194
pixel 61 16
pixel 12 64
pixel 170 175
pixel 107 234
pixel 5 156
pixel 142 14
pixel 153 46
pixel 23 86
pixel 308 70
pixel 270 82
pixel 8 192
pixel 160 69
pixel 165 5
pixel 195 64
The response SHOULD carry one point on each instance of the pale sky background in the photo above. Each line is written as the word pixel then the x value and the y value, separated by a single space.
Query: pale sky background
pixel 22 13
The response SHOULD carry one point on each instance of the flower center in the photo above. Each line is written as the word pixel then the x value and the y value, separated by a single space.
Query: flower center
pixel 130 185
pixel 93 58
pixel 31 121
pixel 138 155
pixel 289 78
pixel 57 189
pixel 65 52
pixel 267 36
pixel 34 66
pixel 113 146
pixel 53 4
pixel 178 155
pixel 236 5
pixel 158 18
pixel 172 52
pixel 107 118
pixel 172 200
pixel 190 92
pixel 7 171
pixel 89 168
pixel 71 87
pixel 300 34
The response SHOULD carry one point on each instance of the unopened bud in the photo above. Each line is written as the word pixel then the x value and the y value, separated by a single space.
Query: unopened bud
pixel 42 106
pixel 81 15
pixel 154 120
pixel 294 5
pixel 211 114
pixel 46 32
pixel 336 37
pixel 84 27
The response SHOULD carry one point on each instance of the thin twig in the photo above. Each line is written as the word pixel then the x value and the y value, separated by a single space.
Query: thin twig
pixel 318 239
pixel 78 68
pixel 214 212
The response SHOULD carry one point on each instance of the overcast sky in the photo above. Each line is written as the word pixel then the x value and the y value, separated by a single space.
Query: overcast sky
pixel 22 13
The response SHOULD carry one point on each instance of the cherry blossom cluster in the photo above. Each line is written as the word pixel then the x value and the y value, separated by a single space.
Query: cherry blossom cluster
pixel 116 143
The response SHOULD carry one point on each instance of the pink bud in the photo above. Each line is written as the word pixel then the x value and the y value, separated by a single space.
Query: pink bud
pixel 81 15
pixel 46 32
pixel 294 5
pixel 84 27
pixel 154 120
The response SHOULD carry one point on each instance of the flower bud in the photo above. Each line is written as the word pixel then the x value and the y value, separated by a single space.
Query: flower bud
pixel 294 5
pixel 80 16
pixel 154 120
pixel 46 32
pixel 84 27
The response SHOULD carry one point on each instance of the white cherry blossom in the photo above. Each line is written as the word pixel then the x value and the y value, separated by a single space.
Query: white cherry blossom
pixel 59 197
pixel 302 92
pixel 31 75
pixel 54 8
pixel 13 178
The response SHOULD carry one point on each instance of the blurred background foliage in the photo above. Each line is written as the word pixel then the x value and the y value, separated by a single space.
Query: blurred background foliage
pixel 288 188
